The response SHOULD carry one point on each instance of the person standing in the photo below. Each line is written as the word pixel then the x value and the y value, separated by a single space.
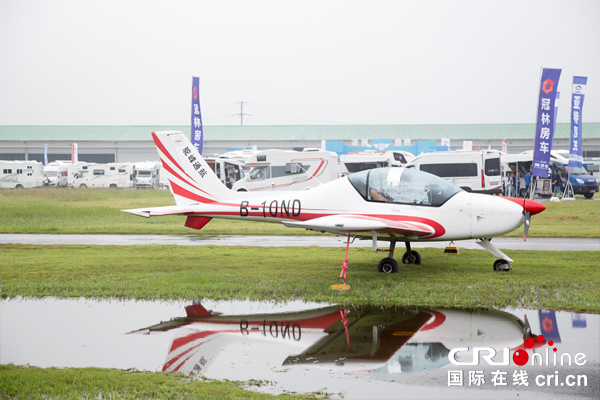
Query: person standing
pixel 527 183
pixel 509 187
pixel 556 184
pixel 513 184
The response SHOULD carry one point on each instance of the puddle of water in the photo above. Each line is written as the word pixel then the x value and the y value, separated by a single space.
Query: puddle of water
pixel 355 353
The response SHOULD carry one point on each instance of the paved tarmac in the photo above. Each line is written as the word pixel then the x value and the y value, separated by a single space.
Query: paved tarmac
pixel 544 244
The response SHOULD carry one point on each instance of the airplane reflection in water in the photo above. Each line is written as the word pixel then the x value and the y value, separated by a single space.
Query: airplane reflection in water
pixel 340 338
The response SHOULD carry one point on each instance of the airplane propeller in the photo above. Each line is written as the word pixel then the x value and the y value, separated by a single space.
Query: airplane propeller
pixel 530 207
pixel 526 224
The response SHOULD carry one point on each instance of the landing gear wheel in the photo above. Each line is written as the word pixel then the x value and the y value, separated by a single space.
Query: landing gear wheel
pixel 411 257
pixel 501 265
pixel 388 266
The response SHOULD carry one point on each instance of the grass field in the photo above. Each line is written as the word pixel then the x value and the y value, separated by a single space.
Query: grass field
pixel 549 280
pixel 97 211
pixel 94 383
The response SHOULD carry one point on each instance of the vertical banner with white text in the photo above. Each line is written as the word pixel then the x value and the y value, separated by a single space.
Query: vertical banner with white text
pixel 579 83
pixel 544 130
pixel 197 138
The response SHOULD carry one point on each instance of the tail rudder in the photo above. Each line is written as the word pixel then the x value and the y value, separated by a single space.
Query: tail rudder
pixel 191 180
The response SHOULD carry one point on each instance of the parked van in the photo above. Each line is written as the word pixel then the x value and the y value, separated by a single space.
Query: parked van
pixel 582 181
pixel 228 170
pixel 146 174
pixel 288 170
pixel 369 159
pixel 62 173
pixel 21 174
pixel 473 171
pixel 112 175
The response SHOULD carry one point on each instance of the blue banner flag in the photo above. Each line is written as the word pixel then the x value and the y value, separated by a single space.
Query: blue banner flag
pixel 45 154
pixel 549 326
pixel 579 83
pixel 544 130
pixel 197 138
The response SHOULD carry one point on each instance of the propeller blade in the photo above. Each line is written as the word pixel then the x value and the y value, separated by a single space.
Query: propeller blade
pixel 527 327
pixel 527 223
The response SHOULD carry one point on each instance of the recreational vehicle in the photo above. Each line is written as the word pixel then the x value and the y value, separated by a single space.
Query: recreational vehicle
pixel 112 175
pixel 146 174
pixel 288 170
pixel 369 159
pixel 228 170
pixel 473 171
pixel 21 174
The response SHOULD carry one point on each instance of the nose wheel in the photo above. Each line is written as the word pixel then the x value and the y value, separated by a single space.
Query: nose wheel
pixel 502 265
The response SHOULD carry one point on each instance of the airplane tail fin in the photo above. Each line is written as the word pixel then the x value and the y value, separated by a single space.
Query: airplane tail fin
pixel 191 180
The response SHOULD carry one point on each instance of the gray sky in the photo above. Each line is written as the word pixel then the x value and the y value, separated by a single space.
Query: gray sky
pixel 293 62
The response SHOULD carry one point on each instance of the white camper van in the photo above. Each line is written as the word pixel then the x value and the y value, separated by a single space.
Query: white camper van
pixel 473 171
pixel 112 175
pixel 288 170
pixel 62 173
pixel 21 174
pixel 369 159
pixel 229 171
pixel 146 174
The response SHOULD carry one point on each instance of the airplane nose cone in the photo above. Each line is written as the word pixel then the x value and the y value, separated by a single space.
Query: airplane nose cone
pixel 528 205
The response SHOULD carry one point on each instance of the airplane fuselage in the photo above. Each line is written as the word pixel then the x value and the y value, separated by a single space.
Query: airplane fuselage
pixel 464 216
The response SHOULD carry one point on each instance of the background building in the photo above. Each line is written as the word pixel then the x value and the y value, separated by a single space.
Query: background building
pixel 105 144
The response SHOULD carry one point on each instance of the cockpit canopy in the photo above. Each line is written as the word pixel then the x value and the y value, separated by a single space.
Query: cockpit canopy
pixel 403 186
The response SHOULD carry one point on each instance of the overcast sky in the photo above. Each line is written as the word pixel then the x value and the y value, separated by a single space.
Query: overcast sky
pixel 292 62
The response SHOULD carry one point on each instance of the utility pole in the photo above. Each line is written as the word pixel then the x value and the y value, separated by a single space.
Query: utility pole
pixel 241 114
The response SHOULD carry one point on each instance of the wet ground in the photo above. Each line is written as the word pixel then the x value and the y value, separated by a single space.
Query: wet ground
pixel 544 244
pixel 297 347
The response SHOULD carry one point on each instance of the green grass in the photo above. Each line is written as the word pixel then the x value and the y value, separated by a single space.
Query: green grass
pixel 95 383
pixel 97 211
pixel 549 280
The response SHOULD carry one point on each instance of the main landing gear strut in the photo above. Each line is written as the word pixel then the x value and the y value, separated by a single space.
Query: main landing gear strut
pixel 389 265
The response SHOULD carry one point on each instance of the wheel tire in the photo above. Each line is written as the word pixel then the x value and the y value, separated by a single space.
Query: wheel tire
pixel 113 186
pixel 388 266
pixel 411 258
pixel 588 195
pixel 499 265
pixel 242 190
pixel 82 186
pixel 19 186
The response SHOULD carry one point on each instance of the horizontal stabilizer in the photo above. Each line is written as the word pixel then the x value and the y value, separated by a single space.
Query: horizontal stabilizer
pixel 361 223
pixel 159 211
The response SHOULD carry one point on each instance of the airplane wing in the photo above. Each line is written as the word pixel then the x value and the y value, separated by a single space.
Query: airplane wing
pixel 159 211
pixel 361 223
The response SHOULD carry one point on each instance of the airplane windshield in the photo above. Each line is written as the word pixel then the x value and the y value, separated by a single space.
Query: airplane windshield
pixel 404 186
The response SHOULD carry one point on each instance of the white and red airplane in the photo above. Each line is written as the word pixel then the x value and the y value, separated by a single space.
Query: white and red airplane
pixel 389 204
